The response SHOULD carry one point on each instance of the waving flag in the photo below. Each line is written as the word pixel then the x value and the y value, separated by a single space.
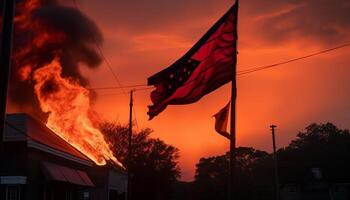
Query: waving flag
pixel 208 65
pixel 221 119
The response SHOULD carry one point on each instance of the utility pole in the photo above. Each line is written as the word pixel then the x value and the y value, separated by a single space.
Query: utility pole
pixel 277 189
pixel 5 60
pixel 129 144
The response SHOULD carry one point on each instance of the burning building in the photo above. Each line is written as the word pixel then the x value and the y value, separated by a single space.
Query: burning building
pixel 38 164
pixel 64 155
pixel 51 42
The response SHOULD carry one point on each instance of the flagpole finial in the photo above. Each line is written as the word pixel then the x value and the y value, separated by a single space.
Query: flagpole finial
pixel 273 126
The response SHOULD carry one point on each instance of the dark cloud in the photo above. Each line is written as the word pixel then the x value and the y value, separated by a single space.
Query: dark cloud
pixel 325 21
pixel 156 15
pixel 64 32
pixel 272 21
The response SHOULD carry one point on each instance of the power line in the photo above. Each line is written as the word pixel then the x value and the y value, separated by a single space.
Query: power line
pixel 239 73
pixel 255 69
pixel 121 93
pixel 102 55
pixel 247 71
pixel 113 87
pixel 112 94
pixel 110 68
pixel 108 64
pixel 146 88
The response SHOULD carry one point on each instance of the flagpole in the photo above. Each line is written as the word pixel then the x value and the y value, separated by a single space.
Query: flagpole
pixel 232 183
pixel 232 144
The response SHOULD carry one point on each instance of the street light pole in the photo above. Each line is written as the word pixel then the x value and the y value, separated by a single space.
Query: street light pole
pixel 277 192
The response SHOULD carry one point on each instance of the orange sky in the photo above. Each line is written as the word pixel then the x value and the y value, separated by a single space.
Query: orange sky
pixel 143 37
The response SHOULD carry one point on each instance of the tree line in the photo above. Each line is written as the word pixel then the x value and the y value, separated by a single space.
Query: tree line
pixel 155 170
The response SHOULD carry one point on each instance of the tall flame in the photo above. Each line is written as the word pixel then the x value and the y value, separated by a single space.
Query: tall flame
pixel 70 115
pixel 47 50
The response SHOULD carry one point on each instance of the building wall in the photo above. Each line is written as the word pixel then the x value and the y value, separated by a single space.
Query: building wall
pixel 13 163
pixel 38 180
pixel 19 160
pixel 118 183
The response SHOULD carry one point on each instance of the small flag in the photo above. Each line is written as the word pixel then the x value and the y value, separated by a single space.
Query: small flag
pixel 221 119
pixel 208 65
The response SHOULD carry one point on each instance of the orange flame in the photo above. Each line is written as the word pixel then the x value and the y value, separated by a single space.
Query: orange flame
pixel 70 115
pixel 64 99
pixel 24 72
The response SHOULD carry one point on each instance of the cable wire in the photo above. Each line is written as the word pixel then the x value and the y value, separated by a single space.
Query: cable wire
pixel 108 64
pixel 247 71
pixel 255 69
pixel 113 87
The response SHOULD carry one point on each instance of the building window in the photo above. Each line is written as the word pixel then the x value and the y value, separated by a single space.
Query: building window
pixel 12 192
pixel 86 195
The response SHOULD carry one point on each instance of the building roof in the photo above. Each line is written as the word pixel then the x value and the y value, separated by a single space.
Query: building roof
pixel 22 127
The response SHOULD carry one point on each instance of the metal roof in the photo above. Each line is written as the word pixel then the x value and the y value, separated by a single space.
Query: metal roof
pixel 22 127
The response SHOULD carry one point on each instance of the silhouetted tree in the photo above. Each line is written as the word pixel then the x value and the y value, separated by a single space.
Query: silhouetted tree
pixel 211 179
pixel 320 145
pixel 153 164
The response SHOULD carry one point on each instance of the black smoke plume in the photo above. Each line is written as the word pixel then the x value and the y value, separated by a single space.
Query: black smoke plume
pixel 44 30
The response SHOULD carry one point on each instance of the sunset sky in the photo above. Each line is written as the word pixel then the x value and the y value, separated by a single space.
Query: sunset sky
pixel 144 37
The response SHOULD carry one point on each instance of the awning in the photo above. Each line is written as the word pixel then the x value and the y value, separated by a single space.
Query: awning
pixel 65 174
